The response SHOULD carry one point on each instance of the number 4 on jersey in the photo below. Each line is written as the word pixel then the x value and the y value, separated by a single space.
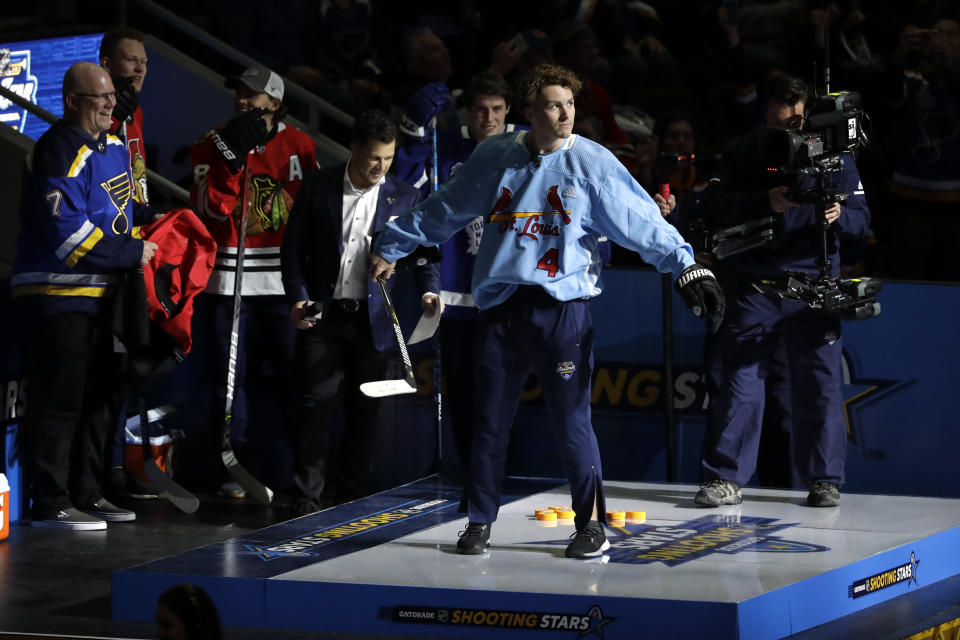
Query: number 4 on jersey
pixel 550 262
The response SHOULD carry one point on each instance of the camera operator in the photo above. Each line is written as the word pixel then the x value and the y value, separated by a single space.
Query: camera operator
pixel 748 189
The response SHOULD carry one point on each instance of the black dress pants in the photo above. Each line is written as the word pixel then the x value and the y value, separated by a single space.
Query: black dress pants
pixel 74 388
pixel 332 359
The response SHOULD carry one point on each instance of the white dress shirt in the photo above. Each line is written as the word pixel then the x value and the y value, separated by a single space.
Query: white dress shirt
pixel 359 209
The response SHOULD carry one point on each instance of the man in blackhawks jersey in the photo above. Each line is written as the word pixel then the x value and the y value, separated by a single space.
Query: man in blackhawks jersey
pixel 257 150
pixel 546 197
pixel 75 242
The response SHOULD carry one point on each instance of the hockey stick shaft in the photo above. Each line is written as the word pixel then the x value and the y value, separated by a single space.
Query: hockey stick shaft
pixel 437 354
pixel 173 492
pixel 256 489
pixel 398 334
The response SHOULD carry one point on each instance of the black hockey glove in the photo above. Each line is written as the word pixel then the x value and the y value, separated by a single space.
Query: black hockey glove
pixel 126 100
pixel 702 293
pixel 243 133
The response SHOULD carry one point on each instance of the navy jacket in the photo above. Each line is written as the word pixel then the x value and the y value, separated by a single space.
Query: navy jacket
pixel 313 244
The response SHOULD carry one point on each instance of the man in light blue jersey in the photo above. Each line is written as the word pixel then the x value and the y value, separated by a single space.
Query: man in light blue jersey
pixel 546 197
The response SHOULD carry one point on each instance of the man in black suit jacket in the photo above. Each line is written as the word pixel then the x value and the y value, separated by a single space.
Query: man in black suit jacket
pixel 325 257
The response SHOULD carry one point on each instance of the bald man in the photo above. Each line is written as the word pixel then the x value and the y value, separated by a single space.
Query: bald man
pixel 75 244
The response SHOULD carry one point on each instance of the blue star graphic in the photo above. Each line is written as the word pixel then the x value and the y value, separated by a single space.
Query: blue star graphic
pixel 597 622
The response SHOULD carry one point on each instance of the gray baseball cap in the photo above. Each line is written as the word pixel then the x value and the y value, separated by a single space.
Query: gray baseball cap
pixel 259 79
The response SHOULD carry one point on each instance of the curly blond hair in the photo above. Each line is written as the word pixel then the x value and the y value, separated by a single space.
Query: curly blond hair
pixel 546 75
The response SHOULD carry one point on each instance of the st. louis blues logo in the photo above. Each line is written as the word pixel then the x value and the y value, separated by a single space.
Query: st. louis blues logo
pixel 674 545
pixel 118 188
pixel 566 369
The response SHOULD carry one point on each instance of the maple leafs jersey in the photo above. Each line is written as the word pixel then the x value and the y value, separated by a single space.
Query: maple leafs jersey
pixel 276 173
pixel 76 215
pixel 543 219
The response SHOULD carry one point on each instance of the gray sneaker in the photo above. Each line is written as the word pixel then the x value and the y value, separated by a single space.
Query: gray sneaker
pixel 718 492
pixel 70 518
pixel 823 494
pixel 106 510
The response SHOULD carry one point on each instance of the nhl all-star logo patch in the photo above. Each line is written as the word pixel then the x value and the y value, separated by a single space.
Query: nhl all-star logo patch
pixel 566 369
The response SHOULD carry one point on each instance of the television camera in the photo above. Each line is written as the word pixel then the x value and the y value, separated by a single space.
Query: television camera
pixel 805 160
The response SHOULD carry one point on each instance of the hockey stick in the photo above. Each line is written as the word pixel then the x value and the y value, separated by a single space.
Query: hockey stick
pixel 437 354
pixel 173 492
pixel 407 384
pixel 254 488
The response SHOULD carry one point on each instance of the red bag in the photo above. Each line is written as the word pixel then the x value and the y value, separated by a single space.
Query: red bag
pixel 178 271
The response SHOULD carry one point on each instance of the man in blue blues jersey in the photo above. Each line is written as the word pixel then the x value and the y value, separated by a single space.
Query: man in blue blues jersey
pixel 546 197
pixel 77 212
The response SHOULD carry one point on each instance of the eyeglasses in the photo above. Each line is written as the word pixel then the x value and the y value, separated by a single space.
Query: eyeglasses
pixel 99 97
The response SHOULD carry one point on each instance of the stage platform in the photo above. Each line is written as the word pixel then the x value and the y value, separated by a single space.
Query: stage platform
pixel 387 564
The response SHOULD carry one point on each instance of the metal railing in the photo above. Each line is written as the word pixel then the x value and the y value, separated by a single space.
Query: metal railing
pixel 329 147
pixel 316 106
pixel 166 186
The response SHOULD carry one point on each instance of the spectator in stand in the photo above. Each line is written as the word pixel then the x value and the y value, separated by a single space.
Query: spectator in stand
pixel 186 612
pixel 575 47
pixel 423 90
pixel 924 183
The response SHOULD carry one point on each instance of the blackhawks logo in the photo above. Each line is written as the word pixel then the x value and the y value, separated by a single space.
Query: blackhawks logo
pixel 269 205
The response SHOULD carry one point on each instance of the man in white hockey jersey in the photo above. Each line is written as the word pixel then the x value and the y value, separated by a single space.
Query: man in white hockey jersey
pixel 546 197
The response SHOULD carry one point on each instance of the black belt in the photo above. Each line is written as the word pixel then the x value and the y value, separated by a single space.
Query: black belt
pixel 533 296
pixel 346 305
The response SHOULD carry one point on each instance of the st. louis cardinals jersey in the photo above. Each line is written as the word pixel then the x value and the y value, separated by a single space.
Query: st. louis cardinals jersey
pixel 543 218
pixel 275 171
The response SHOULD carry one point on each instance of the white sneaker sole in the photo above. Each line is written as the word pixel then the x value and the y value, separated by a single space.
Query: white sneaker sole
pixel 594 554
pixel 72 526
pixel 113 517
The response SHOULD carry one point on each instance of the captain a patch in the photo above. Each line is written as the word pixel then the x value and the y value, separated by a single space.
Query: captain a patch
pixel 566 369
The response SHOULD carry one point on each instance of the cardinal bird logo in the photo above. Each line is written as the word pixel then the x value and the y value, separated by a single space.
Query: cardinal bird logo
pixel 502 203
pixel 553 199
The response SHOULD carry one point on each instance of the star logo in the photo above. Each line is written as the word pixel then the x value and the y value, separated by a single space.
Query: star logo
pixel 597 622
pixel 858 393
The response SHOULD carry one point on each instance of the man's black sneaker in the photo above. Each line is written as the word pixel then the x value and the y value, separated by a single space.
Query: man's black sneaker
pixel 303 506
pixel 70 518
pixel 823 494
pixel 475 539
pixel 718 492
pixel 106 510
pixel 588 542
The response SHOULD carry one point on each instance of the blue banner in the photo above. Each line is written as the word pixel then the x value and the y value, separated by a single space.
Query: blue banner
pixel 35 72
